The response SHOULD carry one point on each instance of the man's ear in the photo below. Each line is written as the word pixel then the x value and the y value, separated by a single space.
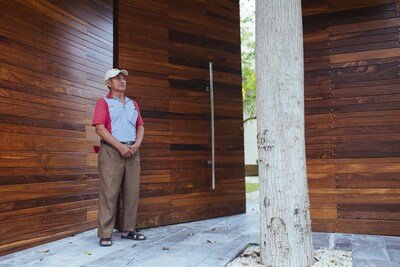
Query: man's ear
pixel 108 83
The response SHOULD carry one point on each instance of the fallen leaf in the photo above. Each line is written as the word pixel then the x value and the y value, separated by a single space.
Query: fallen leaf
pixel 209 241
pixel 87 252
pixel 43 251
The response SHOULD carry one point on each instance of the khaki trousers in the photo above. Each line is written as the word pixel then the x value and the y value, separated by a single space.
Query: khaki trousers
pixel 115 172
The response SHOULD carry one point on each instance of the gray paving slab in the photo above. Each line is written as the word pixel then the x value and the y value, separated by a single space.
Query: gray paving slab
pixel 343 242
pixel 373 263
pixel 173 256
pixel 394 255
pixel 321 240
pixel 370 247
pixel 392 242
pixel 223 256
pixel 206 243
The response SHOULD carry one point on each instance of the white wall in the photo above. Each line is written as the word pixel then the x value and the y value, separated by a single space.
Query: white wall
pixel 250 142
pixel 247 9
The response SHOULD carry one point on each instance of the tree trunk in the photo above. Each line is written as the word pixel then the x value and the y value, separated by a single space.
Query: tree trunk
pixel 284 205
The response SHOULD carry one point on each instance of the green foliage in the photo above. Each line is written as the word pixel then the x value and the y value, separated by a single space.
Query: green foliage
pixel 248 66
pixel 252 187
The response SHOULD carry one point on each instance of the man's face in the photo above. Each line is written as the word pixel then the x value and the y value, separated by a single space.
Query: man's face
pixel 117 83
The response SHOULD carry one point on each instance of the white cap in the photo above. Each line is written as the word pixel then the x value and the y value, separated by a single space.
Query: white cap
pixel 114 72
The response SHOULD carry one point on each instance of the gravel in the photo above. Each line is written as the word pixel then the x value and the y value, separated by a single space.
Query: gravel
pixel 323 258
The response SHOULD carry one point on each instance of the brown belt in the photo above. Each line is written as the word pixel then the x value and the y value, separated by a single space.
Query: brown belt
pixel 125 143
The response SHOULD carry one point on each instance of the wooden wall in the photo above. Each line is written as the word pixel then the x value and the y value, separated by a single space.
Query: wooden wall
pixel 166 46
pixel 53 56
pixel 352 95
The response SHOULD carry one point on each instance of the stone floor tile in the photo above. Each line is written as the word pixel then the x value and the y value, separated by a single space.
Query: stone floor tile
pixel 222 256
pixel 394 255
pixel 178 256
pixel 375 253
pixel 373 263
pixel 343 242
pixel 321 240
pixel 367 240
pixel 392 242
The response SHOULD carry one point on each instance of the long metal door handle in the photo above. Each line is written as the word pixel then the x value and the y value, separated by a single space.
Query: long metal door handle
pixel 212 127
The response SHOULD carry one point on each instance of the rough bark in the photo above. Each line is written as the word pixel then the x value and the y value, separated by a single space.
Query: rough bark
pixel 284 204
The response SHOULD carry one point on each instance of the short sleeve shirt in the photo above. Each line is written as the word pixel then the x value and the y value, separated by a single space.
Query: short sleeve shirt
pixel 120 120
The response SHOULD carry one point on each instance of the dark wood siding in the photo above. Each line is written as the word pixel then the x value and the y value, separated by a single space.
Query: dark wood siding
pixel 352 115
pixel 166 46
pixel 53 55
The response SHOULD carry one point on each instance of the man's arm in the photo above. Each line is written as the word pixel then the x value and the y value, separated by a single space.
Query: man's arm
pixel 139 138
pixel 107 137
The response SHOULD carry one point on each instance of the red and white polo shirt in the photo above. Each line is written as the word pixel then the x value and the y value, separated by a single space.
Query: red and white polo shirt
pixel 121 121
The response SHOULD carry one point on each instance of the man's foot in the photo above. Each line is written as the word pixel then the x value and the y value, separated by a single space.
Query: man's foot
pixel 134 236
pixel 105 242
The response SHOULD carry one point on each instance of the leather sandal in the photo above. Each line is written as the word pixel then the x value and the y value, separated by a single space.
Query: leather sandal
pixel 134 236
pixel 105 242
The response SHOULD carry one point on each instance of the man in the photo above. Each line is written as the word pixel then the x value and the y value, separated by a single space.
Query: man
pixel 119 124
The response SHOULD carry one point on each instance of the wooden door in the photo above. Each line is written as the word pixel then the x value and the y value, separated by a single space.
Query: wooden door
pixel 167 47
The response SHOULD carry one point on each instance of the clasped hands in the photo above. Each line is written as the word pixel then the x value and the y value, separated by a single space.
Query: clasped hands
pixel 128 151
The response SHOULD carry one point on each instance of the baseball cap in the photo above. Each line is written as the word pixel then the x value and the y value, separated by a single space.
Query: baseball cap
pixel 114 72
